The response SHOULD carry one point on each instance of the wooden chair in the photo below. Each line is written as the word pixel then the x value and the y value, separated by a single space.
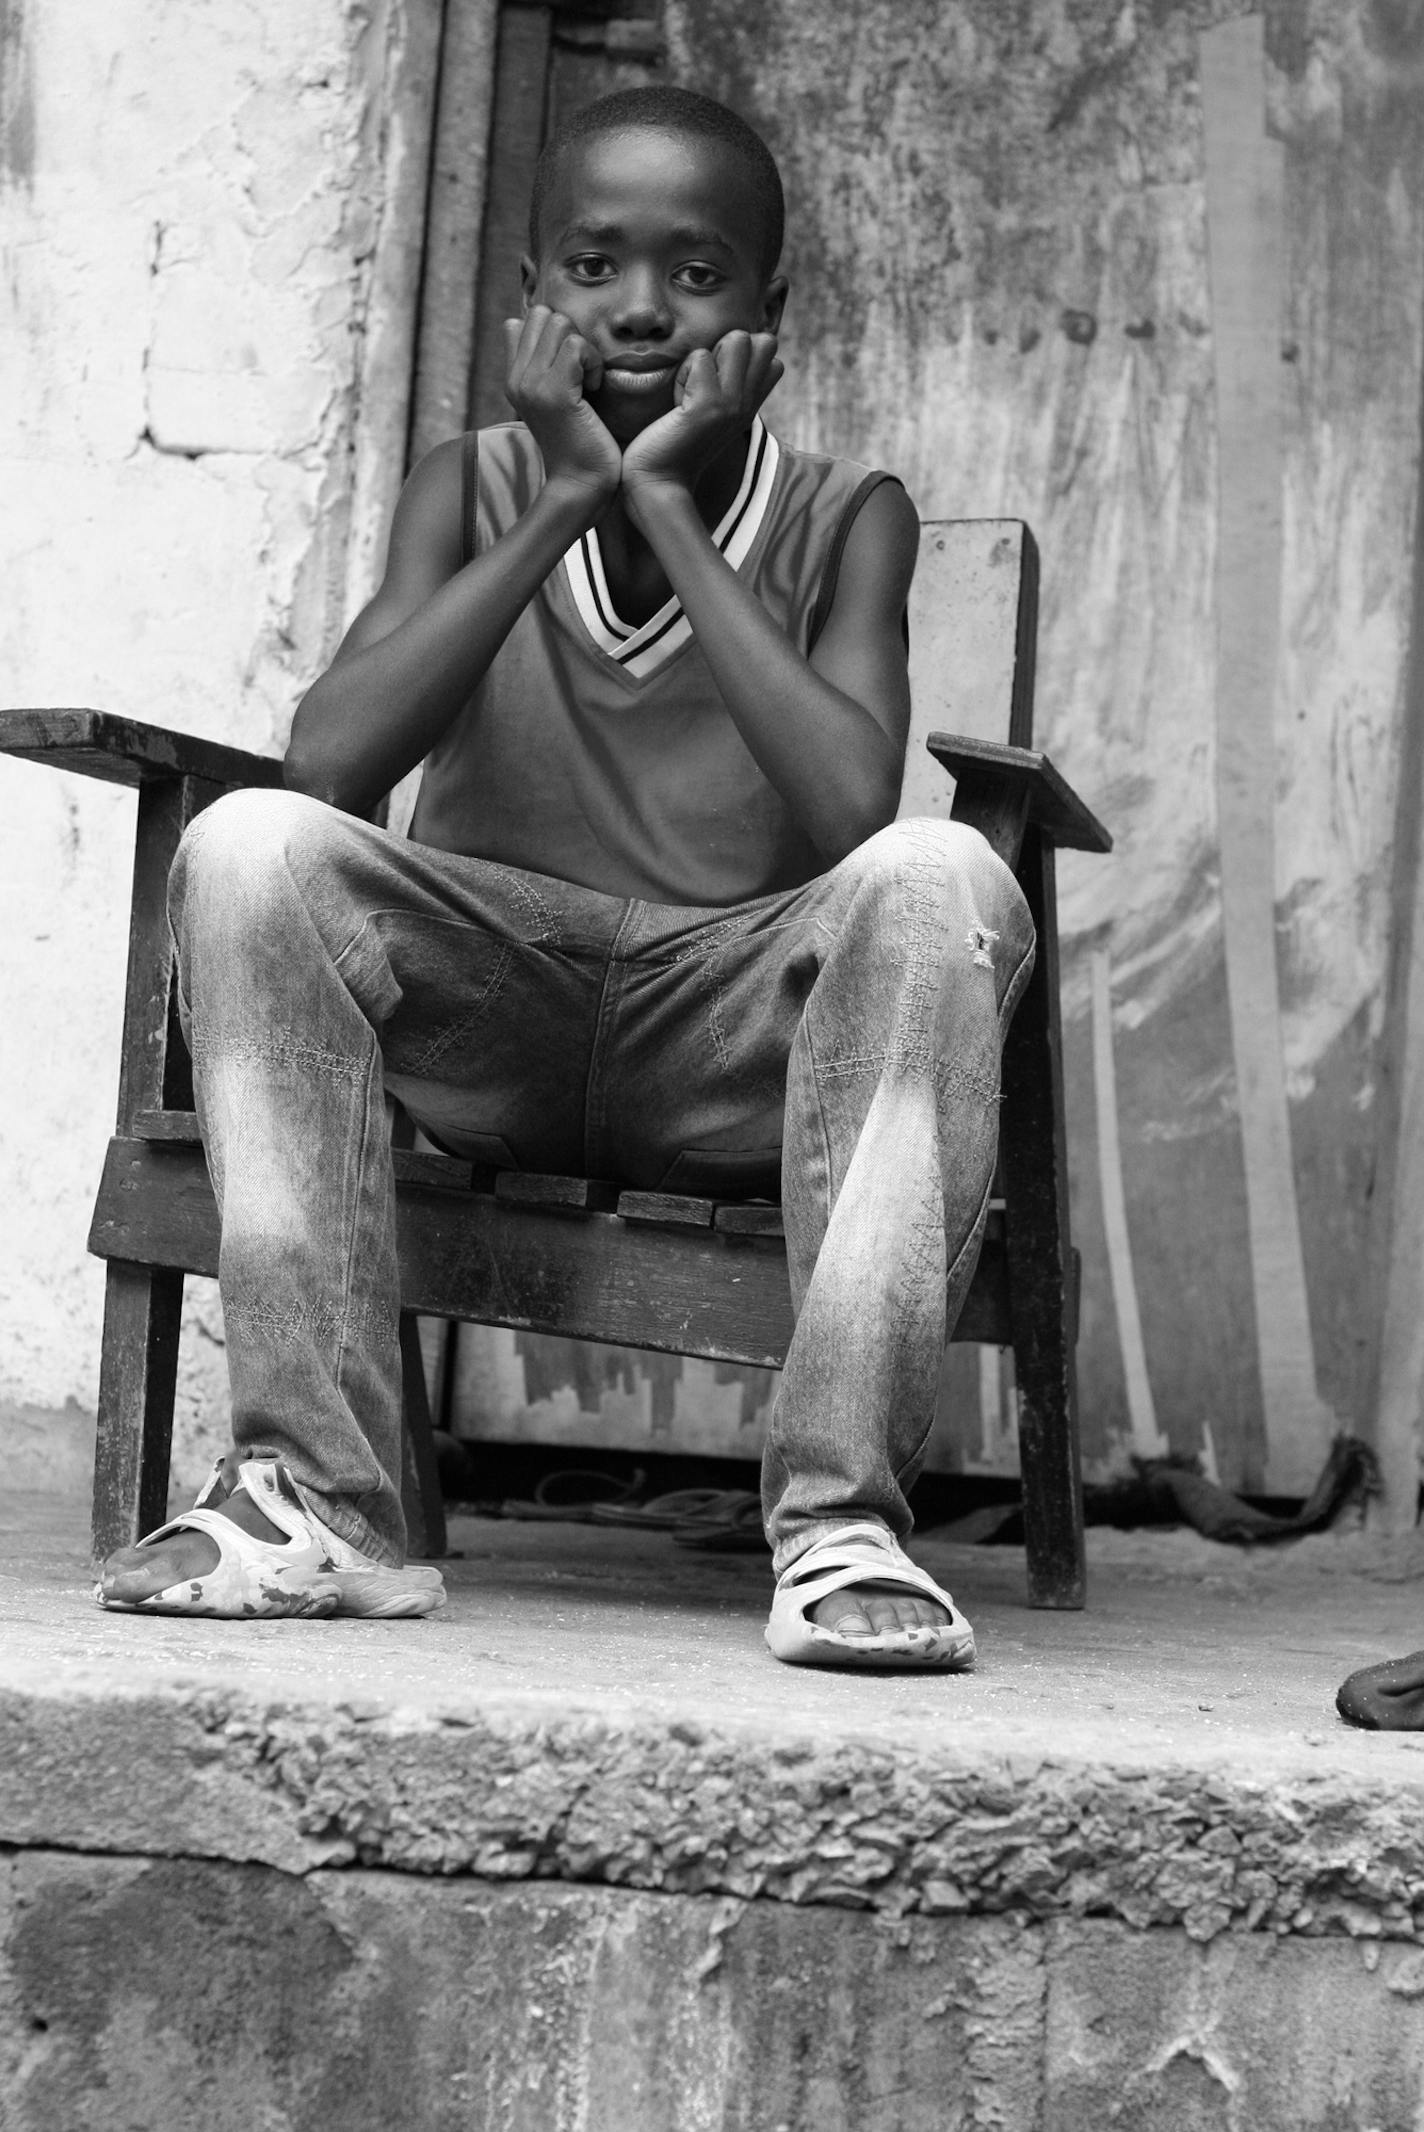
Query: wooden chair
pixel 574 1256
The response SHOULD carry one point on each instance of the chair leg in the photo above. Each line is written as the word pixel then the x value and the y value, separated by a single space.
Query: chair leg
pixel 421 1497
pixel 137 1376
pixel 1048 1450
pixel 1041 1262
pixel 142 1307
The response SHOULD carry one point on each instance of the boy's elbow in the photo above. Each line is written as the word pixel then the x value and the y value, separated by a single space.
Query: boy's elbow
pixel 307 770
pixel 311 768
pixel 326 786
pixel 300 773
pixel 855 826
pixel 298 768
pixel 297 778
pixel 877 806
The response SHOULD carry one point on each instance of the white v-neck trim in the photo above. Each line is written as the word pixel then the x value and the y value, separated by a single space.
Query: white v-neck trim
pixel 641 650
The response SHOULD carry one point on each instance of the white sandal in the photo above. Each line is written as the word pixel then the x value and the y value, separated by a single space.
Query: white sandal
pixel 861 1554
pixel 312 1572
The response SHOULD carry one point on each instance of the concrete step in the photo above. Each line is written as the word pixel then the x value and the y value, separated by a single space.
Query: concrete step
pixel 1107 1865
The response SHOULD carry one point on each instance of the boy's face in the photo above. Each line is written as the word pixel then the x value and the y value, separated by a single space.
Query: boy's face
pixel 651 249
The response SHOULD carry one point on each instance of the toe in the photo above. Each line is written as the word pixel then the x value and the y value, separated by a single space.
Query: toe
pixel 868 1610
pixel 132 1585
pixel 904 1614
pixel 138 1583
pixel 853 1621
pixel 865 1611
pixel 124 1559
pixel 843 1615
pixel 135 1573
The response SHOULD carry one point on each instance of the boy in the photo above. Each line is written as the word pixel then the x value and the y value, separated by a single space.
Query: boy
pixel 650 923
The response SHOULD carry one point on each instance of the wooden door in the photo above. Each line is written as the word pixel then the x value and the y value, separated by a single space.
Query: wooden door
pixel 509 71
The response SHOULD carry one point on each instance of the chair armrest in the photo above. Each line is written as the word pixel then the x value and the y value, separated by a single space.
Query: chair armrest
pixel 123 752
pixel 1019 784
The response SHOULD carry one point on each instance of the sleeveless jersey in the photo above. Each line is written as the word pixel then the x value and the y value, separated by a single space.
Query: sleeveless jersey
pixel 602 753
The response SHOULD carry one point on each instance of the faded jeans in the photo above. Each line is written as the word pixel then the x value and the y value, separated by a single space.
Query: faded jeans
pixel 855 1024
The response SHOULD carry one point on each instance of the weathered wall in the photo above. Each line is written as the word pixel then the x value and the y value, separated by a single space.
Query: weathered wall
pixel 1152 279
pixel 185 1992
pixel 210 283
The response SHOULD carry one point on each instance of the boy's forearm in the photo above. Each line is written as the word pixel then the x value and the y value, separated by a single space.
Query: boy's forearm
pixel 379 708
pixel 835 766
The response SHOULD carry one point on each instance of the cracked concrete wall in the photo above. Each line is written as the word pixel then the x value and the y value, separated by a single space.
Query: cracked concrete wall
pixel 1008 238
pixel 183 1992
pixel 199 209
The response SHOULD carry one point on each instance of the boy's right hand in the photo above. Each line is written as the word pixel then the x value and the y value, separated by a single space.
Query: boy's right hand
pixel 550 368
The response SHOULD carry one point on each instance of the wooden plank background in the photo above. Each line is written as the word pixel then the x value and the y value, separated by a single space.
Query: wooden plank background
pixel 1021 278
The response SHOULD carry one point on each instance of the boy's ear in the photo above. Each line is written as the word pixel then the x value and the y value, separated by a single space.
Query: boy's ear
pixel 528 280
pixel 774 303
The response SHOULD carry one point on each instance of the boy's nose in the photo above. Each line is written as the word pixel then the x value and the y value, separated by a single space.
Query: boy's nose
pixel 643 312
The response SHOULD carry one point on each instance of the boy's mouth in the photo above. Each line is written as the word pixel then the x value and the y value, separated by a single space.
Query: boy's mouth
pixel 641 376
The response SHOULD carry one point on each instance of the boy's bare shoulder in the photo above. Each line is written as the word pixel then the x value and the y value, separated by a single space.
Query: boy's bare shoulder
pixel 883 541
pixel 425 532
pixel 427 544
pixel 424 550
pixel 432 503
pixel 877 567
pixel 890 508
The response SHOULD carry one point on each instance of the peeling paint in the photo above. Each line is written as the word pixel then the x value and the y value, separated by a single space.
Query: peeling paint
pixel 17 104
pixel 190 256
pixel 1059 367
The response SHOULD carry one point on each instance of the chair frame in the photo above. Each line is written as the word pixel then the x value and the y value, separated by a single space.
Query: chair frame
pixel 571 1256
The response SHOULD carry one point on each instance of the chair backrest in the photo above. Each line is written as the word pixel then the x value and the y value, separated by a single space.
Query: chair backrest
pixel 973 624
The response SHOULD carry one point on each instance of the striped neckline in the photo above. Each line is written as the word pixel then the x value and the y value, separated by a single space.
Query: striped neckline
pixel 640 651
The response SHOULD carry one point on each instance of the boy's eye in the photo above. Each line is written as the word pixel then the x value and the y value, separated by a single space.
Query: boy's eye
pixel 589 266
pixel 698 277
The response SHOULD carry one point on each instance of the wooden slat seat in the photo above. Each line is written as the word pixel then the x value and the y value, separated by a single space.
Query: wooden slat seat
pixel 681 1276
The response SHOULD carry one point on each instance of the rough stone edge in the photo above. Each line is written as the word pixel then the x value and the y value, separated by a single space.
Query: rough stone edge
pixel 504 1793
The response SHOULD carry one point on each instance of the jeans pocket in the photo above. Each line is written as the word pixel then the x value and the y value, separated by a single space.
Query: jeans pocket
pixel 437 1111
pixel 726 1172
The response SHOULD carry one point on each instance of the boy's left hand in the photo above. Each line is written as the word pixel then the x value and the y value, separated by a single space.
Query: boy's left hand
pixel 718 392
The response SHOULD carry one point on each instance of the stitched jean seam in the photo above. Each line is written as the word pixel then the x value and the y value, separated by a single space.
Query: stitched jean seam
pixel 711 949
pixel 714 966
pixel 438 1046
pixel 358 1199
pixel 595 1100
pixel 710 940
pixel 275 1047
pixel 830 1196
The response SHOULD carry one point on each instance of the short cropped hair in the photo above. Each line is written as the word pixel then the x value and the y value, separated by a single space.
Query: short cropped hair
pixel 665 109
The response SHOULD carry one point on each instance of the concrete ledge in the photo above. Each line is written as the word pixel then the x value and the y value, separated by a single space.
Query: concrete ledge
pixel 180 1993
pixel 598 1707
pixel 188 1769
